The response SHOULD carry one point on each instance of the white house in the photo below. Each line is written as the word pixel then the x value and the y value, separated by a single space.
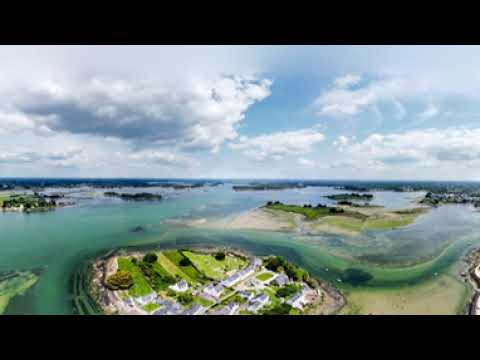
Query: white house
pixel 297 300
pixel 144 300
pixel 196 309
pixel 181 286
pixel 230 309
pixel 258 302
pixel 214 291
pixel 281 280
pixel 246 294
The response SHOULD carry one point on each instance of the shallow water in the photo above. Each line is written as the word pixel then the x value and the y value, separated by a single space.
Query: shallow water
pixel 61 239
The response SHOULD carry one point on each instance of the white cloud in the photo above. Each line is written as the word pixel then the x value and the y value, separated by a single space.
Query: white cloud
pixel 347 81
pixel 306 162
pixel 200 115
pixel 341 101
pixel 429 112
pixel 278 145
pixel 418 148
pixel 343 141
pixel 162 158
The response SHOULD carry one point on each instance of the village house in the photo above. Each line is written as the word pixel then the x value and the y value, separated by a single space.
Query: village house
pixel 144 300
pixel 258 302
pixel 181 286
pixel 195 309
pixel 214 291
pixel 281 280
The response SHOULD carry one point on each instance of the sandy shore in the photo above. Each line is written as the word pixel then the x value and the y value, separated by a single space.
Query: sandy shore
pixel 275 220
pixel 256 219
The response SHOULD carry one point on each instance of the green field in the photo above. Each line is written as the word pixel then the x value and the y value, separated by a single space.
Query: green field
pixel 213 268
pixel 151 307
pixel 189 273
pixel 140 284
pixel 173 269
pixel 309 213
pixel 14 285
pixel 264 276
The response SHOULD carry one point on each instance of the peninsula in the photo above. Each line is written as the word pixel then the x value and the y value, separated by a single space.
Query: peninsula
pixel 208 282
pixel 350 219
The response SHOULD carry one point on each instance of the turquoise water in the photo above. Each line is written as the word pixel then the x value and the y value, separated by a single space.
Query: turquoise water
pixel 60 239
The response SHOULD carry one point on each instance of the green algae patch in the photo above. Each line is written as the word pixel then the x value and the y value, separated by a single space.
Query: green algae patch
pixel 13 284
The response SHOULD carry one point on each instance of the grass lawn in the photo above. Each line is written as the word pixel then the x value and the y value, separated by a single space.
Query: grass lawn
pixel 175 256
pixel 202 301
pixel 173 269
pixel 309 213
pixel 213 268
pixel 151 307
pixel 140 284
pixel 264 276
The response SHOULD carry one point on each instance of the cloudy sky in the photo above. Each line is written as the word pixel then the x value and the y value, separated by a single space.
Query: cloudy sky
pixel 313 112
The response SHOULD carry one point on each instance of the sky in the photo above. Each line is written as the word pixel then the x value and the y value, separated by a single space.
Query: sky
pixel 285 112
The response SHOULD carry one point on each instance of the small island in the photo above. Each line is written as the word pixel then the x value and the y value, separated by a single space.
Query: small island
pixel 264 187
pixel 350 197
pixel 27 203
pixel 441 198
pixel 207 282
pixel 143 196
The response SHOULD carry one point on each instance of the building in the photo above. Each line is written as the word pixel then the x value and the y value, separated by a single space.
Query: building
pixel 181 286
pixel 229 309
pixel 281 280
pixel 243 274
pixel 195 309
pixel 169 308
pixel 297 300
pixel 258 302
pixel 144 300
pixel 214 291
pixel 246 294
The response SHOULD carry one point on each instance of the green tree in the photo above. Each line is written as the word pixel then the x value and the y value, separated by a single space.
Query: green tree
pixel 220 256
pixel 185 298
pixel 150 258
pixel 121 280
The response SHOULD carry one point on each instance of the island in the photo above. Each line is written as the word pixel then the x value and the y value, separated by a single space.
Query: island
pixel 272 186
pixel 350 197
pixel 349 220
pixel 143 196
pixel 441 198
pixel 207 282
pixel 27 203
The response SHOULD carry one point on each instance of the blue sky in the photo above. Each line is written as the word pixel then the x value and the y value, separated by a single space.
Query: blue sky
pixel 316 112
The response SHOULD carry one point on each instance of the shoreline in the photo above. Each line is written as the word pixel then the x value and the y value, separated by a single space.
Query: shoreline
pixel 267 219
pixel 332 300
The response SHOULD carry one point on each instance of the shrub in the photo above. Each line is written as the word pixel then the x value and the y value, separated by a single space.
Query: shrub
pixel 185 261
pixel 280 309
pixel 220 256
pixel 185 299
pixel 121 280
pixel 150 258
pixel 287 290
